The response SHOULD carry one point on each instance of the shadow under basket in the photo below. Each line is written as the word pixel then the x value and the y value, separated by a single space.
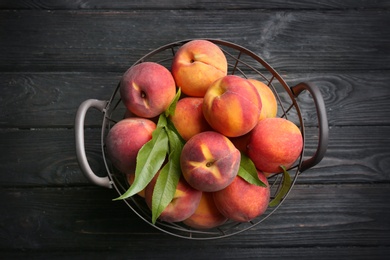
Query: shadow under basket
pixel 241 62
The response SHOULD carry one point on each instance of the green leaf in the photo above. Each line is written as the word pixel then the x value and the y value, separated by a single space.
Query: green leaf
pixel 176 142
pixel 248 171
pixel 150 158
pixel 162 122
pixel 286 185
pixel 172 107
pixel 165 187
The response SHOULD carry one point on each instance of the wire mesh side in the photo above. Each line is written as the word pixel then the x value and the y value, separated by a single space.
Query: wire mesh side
pixel 240 62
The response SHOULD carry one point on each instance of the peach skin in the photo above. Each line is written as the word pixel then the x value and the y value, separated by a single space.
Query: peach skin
pixel 274 142
pixel 147 89
pixel 209 161
pixel 183 204
pixel 207 215
pixel 196 65
pixel 268 100
pixel 232 106
pixel 242 201
pixel 188 118
pixel 125 139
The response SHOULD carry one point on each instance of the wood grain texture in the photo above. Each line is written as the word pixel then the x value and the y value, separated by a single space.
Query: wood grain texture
pixel 35 100
pixel 51 99
pixel 191 4
pixel 61 219
pixel 108 41
pixel 46 157
pixel 56 54
pixel 194 252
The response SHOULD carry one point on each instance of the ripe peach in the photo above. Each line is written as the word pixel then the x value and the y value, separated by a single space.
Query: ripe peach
pixel 188 118
pixel 125 139
pixel 183 204
pixel 147 89
pixel 207 215
pixel 268 100
pixel 242 201
pixel 129 114
pixel 209 161
pixel 196 65
pixel 232 106
pixel 274 142
pixel 241 142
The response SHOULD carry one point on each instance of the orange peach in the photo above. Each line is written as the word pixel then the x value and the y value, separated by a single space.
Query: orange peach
pixel 196 65
pixel 125 139
pixel 147 89
pixel 209 161
pixel 242 201
pixel 268 100
pixel 184 203
pixel 232 106
pixel 207 215
pixel 188 118
pixel 274 142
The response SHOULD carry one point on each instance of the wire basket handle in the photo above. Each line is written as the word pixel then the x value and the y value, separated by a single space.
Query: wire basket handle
pixel 79 137
pixel 322 123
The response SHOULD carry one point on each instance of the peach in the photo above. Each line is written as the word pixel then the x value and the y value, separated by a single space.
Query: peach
pixel 188 118
pixel 274 142
pixel 209 161
pixel 147 89
pixel 242 201
pixel 268 100
pixel 125 139
pixel 129 114
pixel 196 65
pixel 241 142
pixel 184 203
pixel 207 215
pixel 232 106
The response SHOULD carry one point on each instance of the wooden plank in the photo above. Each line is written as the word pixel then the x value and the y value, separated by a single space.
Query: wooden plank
pixel 354 154
pixel 193 252
pixel 348 97
pixel 34 100
pixel 51 61
pixel 85 219
pixel 51 99
pixel 189 4
pixel 99 41
pixel 46 157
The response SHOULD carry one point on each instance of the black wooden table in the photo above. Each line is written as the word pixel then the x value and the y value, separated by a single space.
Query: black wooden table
pixel 56 54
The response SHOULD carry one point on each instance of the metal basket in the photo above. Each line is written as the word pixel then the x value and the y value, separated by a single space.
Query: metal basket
pixel 242 62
